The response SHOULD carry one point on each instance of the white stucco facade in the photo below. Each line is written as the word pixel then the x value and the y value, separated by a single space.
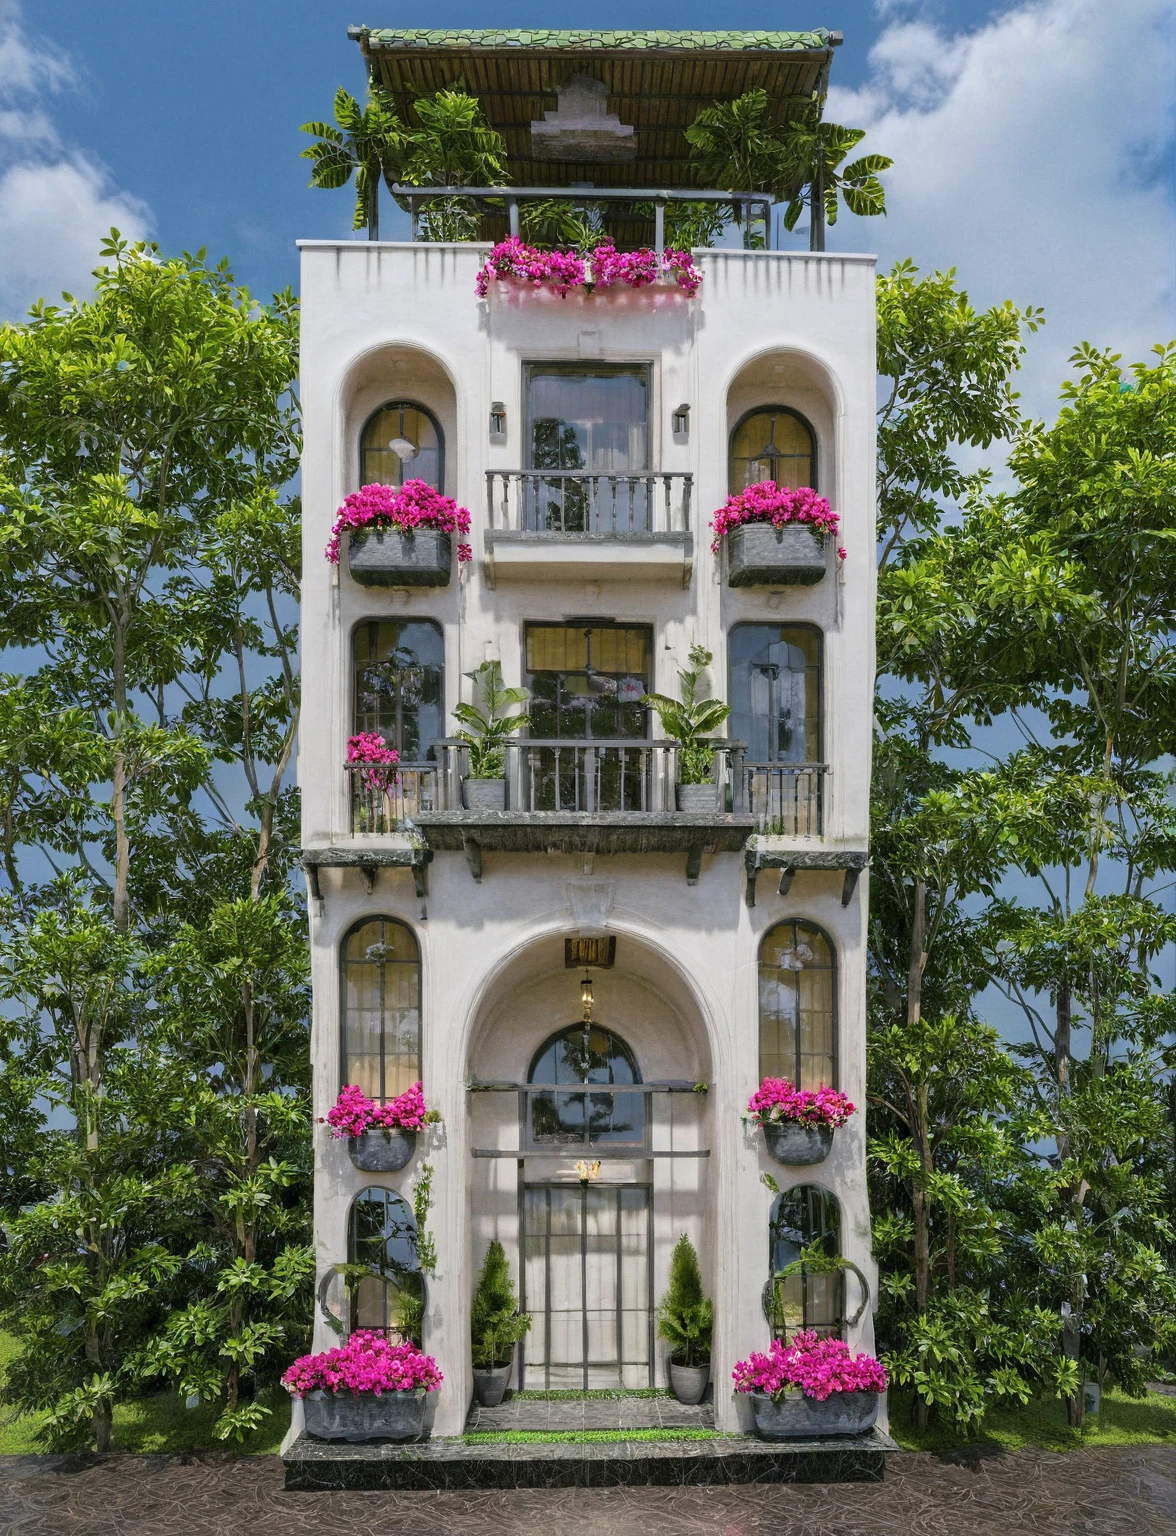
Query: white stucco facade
pixel 387 321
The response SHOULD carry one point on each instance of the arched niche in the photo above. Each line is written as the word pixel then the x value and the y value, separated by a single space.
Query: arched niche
pixel 389 375
pixel 793 382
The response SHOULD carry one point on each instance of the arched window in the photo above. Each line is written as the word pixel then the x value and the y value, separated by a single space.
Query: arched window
pixel 382 1237
pixel 381 1008
pixel 402 441
pixel 775 691
pixel 773 443
pixel 806 1290
pixel 797 991
pixel 399 672
pixel 581 1055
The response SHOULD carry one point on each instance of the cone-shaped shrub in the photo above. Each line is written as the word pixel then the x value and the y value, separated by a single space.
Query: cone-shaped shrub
pixel 496 1324
pixel 685 1318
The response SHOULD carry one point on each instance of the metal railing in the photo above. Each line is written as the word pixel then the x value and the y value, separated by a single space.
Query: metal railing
pixel 787 799
pixel 382 800
pixel 618 775
pixel 580 501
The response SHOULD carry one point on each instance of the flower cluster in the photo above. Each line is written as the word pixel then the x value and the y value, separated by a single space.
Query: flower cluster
pixel 380 759
pixel 776 1099
pixel 366 1363
pixel 415 505
pixel 605 267
pixel 767 502
pixel 353 1112
pixel 818 1367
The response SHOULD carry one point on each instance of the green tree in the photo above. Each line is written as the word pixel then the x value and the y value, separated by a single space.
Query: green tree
pixel 368 142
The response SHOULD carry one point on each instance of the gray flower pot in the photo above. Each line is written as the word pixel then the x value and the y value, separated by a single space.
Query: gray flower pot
pixel 490 1386
pixel 484 794
pixel 388 1416
pixel 696 798
pixel 788 1141
pixel 382 1151
pixel 761 555
pixel 688 1382
pixel 796 1417
pixel 386 557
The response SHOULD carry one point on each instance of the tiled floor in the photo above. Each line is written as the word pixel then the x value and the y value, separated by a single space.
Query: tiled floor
pixel 1121 1491
pixel 661 1412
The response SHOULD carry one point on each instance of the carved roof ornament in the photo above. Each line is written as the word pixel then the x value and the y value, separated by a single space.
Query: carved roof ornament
pixel 581 127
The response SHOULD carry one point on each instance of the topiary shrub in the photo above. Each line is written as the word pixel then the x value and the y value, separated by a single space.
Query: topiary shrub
pixel 685 1318
pixel 496 1324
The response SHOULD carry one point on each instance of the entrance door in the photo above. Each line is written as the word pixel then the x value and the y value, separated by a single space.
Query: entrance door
pixel 587 1285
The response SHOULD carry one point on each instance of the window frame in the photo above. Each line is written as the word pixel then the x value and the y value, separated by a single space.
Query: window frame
pixel 835 1329
pixel 386 619
pixel 786 410
pixel 585 1148
pixel 572 365
pixel 352 929
pixel 835 973
pixel 584 624
pixel 387 1274
pixel 813 629
pixel 395 403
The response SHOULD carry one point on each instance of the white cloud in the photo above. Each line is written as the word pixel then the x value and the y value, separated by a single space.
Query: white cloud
pixel 56 203
pixel 1033 154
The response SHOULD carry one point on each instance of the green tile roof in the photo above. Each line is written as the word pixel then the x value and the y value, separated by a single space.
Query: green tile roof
pixel 778 42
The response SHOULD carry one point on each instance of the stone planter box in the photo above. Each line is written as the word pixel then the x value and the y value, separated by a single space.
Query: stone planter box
pixel 796 1417
pixel 790 1142
pixel 389 1416
pixel 386 557
pixel 484 794
pixel 761 555
pixel 382 1151
pixel 688 1382
pixel 696 798
pixel 490 1386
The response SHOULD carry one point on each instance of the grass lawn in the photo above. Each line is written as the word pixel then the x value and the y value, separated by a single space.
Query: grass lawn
pixel 159 1423
pixel 1150 1420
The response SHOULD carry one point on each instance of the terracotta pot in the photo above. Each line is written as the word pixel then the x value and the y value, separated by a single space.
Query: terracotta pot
pixel 382 1151
pixel 484 794
pixel 386 557
pixel 796 1417
pixel 340 1416
pixel 490 1386
pixel 688 1382
pixel 790 1142
pixel 761 555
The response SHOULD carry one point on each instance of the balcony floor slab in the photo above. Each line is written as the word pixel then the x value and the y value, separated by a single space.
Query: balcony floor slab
pixel 603 832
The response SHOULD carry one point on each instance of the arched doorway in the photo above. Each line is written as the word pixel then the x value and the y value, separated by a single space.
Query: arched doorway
pixel 587 1275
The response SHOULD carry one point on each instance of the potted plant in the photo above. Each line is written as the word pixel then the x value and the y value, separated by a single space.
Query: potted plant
pixel 496 1326
pixel 685 1320
pixel 381 1138
pixel 775 535
pixel 400 538
pixel 367 1389
pixel 485 731
pixel 689 723
pixel 810 1388
pixel 798 1124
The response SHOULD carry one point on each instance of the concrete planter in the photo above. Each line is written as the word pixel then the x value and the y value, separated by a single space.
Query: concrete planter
pixel 796 1417
pixel 389 1416
pixel 484 794
pixel 688 1382
pixel 490 1386
pixel 761 555
pixel 386 557
pixel 790 1142
pixel 696 798
pixel 382 1151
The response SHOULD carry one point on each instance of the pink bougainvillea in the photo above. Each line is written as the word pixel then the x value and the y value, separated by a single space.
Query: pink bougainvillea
pixel 817 1367
pixel 379 760
pixel 415 505
pixel 777 1099
pixel 353 1112
pixel 366 1363
pixel 767 502
pixel 605 267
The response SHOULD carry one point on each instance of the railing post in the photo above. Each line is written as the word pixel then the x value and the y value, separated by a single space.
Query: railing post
pixel 738 781
pixel 659 228
pixel 513 206
pixel 687 492
pixel 412 208
pixel 589 778
pixel 490 498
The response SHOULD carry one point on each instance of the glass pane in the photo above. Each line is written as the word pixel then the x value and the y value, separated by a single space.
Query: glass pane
pixel 772 444
pixel 807 1220
pixel 585 1055
pixel 398 685
pixel 797 1023
pixel 775 692
pixel 401 442
pixel 586 685
pixel 591 418
pixel 381 1003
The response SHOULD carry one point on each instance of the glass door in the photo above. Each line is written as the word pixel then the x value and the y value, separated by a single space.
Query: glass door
pixel 587 1285
pixel 588 447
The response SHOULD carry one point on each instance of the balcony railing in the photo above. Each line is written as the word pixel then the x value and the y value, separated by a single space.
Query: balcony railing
pixel 622 776
pixel 787 799
pixel 582 502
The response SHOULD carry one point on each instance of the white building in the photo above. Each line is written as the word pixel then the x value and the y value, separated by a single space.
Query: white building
pixel 440 935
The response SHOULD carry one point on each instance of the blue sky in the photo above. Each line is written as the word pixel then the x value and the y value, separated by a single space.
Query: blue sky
pixel 1033 140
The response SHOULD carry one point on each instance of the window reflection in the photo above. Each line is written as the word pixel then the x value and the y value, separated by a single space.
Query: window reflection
pixel 804 1233
pixel 773 443
pixel 402 441
pixel 776 692
pixel 585 1054
pixel 398 685
pixel 797 1023
pixel 381 1008
pixel 382 1238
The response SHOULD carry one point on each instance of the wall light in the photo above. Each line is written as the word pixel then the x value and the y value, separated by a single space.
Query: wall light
pixel 586 997
pixel 497 419
pixel 680 421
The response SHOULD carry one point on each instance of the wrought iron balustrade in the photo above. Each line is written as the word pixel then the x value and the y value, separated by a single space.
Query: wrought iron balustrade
pixel 584 502
pixel 383 798
pixel 787 799
pixel 624 775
